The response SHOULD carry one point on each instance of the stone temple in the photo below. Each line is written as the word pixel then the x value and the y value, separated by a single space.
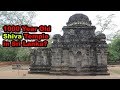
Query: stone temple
pixel 79 51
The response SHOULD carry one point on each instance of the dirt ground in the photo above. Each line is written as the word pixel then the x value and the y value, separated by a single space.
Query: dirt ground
pixel 6 72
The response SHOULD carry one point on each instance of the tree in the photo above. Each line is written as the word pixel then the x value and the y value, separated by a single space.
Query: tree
pixel 113 35
pixel 114 49
pixel 16 18
pixel 105 23
pixel 114 46
pixel 23 54
pixel 8 53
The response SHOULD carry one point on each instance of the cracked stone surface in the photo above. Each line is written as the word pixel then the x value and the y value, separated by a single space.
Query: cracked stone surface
pixel 78 51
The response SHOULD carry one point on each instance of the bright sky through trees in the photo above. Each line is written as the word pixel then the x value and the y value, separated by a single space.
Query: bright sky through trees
pixel 58 19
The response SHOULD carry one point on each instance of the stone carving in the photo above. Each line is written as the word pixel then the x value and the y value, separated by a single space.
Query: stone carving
pixel 78 52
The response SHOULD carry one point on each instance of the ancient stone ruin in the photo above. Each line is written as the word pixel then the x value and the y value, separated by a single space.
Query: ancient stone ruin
pixel 78 52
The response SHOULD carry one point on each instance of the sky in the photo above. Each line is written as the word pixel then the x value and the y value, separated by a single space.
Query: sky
pixel 58 19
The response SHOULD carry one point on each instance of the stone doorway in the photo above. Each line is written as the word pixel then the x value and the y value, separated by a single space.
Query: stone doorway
pixel 78 61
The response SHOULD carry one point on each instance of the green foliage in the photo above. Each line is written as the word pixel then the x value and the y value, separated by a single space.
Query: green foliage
pixel 23 54
pixel 114 49
pixel 15 18
pixel 8 53
pixel 13 54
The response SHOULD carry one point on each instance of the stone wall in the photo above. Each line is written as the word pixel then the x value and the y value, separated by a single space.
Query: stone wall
pixel 78 52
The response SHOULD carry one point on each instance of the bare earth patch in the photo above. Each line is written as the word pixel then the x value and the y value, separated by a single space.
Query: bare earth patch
pixel 6 72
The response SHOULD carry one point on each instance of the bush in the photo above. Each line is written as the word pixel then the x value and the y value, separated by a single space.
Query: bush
pixel 114 49
pixel 14 53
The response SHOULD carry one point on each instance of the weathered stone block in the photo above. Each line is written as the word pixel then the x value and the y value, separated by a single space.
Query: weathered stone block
pixel 78 52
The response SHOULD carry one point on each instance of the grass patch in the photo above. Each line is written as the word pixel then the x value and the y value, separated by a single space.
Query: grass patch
pixel 115 71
